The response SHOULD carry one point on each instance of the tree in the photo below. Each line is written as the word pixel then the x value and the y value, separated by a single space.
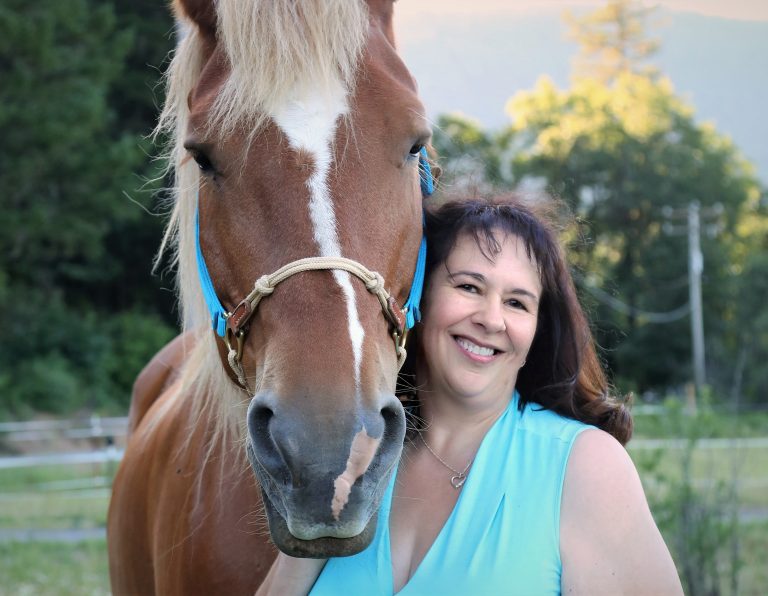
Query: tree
pixel 71 244
pixel 612 40
pixel 467 154
pixel 618 156
pixel 749 347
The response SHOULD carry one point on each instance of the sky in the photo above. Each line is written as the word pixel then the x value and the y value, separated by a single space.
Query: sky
pixel 470 56
pixel 405 10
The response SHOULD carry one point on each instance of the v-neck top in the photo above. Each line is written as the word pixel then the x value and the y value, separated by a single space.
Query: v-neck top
pixel 503 535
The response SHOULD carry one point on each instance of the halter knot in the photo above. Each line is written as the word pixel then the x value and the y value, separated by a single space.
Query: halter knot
pixel 263 286
pixel 375 284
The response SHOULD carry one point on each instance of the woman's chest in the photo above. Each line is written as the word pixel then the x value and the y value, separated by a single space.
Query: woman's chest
pixel 422 503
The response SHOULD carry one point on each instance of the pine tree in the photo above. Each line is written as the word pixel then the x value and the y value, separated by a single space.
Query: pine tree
pixel 613 40
pixel 78 318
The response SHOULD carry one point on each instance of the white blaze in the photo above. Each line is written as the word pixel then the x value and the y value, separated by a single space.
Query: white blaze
pixel 309 121
pixel 361 454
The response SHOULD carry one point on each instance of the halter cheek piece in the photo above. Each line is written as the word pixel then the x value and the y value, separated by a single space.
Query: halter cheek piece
pixel 233 326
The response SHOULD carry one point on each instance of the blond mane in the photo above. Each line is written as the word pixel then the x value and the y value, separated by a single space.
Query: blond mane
pixel 274 49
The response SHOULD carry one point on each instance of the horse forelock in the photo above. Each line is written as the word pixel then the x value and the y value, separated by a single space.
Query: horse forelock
pixel 309 44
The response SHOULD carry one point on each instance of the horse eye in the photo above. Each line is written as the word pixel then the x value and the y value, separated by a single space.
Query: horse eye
pixel 416 149
pixel 205 165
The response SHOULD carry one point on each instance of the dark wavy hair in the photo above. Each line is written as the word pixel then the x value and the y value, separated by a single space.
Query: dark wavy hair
pixel 562 371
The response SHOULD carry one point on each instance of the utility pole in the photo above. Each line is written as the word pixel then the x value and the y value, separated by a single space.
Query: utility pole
pixel 695 269
pixel 693 215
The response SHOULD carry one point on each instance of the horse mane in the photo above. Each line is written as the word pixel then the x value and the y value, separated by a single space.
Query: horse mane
pixel 275 49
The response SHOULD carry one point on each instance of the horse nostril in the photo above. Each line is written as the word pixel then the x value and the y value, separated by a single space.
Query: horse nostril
pixel 260 419
pixel 393 416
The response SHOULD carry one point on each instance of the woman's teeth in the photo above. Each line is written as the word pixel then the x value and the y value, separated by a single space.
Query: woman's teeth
pixel 473 348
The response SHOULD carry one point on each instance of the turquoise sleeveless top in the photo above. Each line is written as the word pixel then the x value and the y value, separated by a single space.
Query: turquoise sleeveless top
pixel 503 536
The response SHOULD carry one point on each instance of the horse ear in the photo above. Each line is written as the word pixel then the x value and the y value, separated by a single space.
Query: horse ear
pixel 434 166
pixel 382 11
pixel 201 12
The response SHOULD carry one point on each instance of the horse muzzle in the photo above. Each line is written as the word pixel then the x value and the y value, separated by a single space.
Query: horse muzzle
pixel 323 472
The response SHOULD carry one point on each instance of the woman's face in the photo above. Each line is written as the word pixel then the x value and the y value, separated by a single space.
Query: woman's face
pixel 479 321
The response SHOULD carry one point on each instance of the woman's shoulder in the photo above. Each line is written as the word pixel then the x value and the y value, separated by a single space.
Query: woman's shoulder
pixel 603 502
pixel 536 419
pixel 599 463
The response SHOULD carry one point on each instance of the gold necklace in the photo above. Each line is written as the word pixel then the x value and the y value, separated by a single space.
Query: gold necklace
pixel 459 478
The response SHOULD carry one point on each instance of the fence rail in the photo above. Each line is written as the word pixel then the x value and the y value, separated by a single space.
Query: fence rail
pixel 745 443
pixel 84 428
pixel 94 429
pixel 110 454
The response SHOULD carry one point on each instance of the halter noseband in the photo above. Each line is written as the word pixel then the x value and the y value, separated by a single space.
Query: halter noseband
pixel 232 326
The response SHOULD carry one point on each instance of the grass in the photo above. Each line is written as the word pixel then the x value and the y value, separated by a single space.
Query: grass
pixel 40 477
pixel 753 578
pixel 54 511
pixel 724 425
pixel 42 568
pixel 747 467
pixel 55 497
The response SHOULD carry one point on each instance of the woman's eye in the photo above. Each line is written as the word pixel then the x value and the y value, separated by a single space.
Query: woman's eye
pixel 516 304
pixel 468 288
pixel 203 162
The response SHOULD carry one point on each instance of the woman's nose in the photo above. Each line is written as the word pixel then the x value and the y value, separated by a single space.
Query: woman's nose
pixel 490 315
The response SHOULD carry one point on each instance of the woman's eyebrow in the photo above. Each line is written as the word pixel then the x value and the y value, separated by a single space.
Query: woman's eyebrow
pixel 473 274
pixel 481 278
pixel 523 292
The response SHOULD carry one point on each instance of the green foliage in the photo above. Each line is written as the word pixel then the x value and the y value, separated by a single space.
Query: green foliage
pixel 65 161
pixel 700 524
pixel 621 156
pixel 64 360
pixel 79 306
pixel 751 317
pixel 470 156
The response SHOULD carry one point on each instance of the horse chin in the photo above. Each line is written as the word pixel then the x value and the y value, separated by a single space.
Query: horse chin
pixel 318 548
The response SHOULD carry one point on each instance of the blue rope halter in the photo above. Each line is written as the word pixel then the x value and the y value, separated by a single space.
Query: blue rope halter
pixel 412 305
pixel 217 311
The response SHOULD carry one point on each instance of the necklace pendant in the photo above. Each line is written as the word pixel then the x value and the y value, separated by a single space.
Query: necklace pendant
pixel 458 480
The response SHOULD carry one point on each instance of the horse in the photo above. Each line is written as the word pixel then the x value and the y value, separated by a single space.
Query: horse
pixel 297 143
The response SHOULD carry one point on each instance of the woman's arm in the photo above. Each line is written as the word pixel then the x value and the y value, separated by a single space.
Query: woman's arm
pixel 609 543
pixel 290 576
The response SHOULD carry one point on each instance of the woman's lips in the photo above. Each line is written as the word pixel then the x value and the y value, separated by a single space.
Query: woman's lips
pixel 475 351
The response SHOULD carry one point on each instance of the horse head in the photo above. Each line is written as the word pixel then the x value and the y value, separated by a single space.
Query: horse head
pixel 298 136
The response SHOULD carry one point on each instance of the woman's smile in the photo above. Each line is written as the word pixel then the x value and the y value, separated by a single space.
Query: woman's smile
pixel 476 351
pixel 480 319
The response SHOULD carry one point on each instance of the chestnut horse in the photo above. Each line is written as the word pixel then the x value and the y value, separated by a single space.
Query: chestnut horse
pixel 297 148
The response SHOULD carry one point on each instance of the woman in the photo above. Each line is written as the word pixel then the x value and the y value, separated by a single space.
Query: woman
pixel 514 479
